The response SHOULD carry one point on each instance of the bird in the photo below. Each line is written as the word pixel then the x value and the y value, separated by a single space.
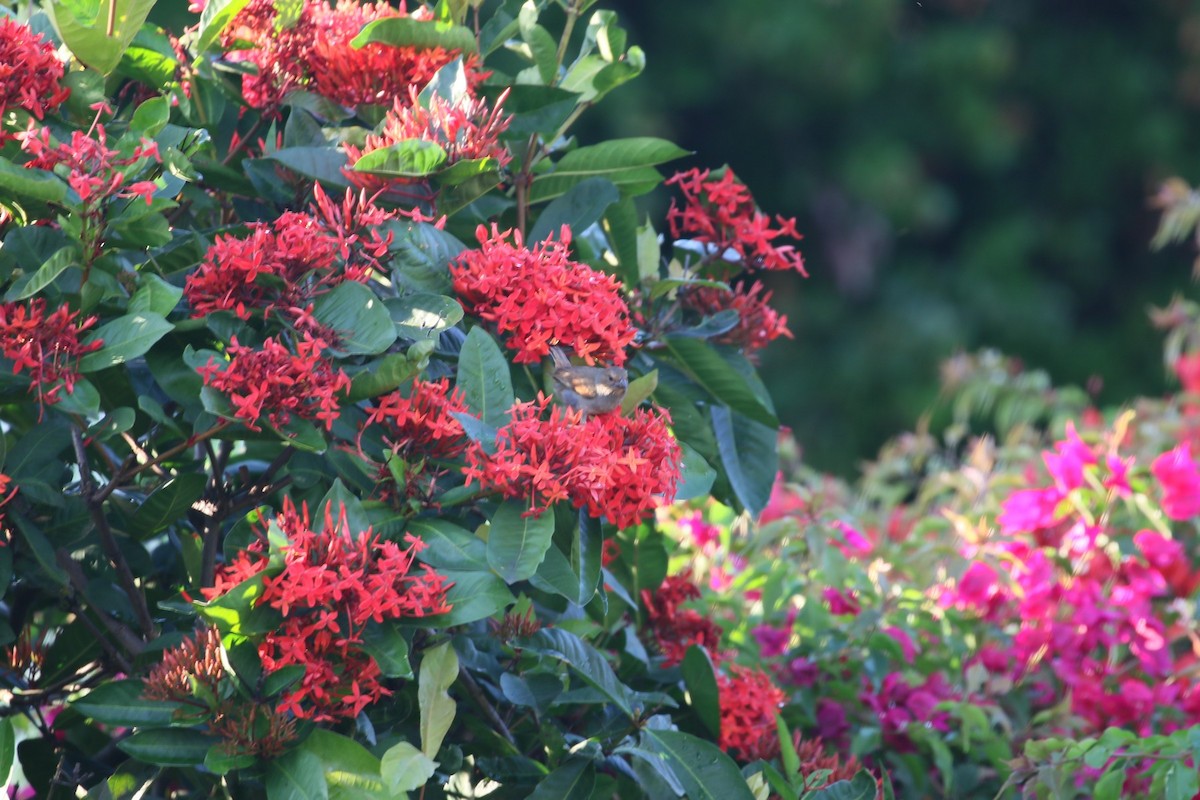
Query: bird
pixel 592 390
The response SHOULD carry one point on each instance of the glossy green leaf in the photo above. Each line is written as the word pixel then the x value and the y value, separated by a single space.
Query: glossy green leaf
pixel 122 703
pixel 421 34
pixel 324 164
pixel 473 596
pixel 574 780
pixel 484 378
pixel 297 775
pixel 749 456
pixel 421 254
pixel 8 749
pixel 38 184
pixel 410 158
pixel 585 661
pixel 447 546
pixel 703 769
pixel 703 695
pixel 124 339
pixel 219 762
pixel 405 768
pixel 167 747
pixel 30 284
pixel 517 543
pixel 216 16
pixel 151 117
pixel 698 475
pixel 169 502
pixel 861 787
pixel 98 31
pixel 359 318
pixel 337 501
pixel 350 771
pixel 578 208
pixel 154 295
pixel 385 642
pixel 706 366
pixel 439 671
pixel 385 374
pixel 1110 784
pixel 607 158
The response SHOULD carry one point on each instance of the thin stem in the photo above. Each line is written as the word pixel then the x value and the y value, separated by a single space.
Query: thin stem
pixel 125 474
pixel 568 29
pixel 485 706
pixel 108 542
pixel 121 633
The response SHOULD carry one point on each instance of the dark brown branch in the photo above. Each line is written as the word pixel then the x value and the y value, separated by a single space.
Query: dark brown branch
pixel 108 542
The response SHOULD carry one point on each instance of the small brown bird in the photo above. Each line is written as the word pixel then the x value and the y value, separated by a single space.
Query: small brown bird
pixel 592 390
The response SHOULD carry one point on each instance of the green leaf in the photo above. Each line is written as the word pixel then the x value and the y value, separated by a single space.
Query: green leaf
pixel 555 575
pixel 1110 784
pixel 721 379
pixel 410 158
pixel 423 315
pixel 581 206
pixel 473 596
pixel 862 787
pixel 151 117
pixel 439 670
pixel 350 771
pixel 121 703
pixel 478 431
pixel 385 642
pixel 447 546
pixel 383 375
pixel 216 16
pixel 484 378
pixel 620 228
pixel 340 500
pixel 360 319
pixel 639 390
pixel 698 475
pixel 704 696
pixel 624 158
pixel 167 747
pixel 297 775
pixel 8 749
pixel 324 164
pixel 421 256
pixel 517 543
pixel 704 770
pixel 405 768
pixel 124 338
pixel 155 296
pixel 39 184
pixel 168 503
pixel 421 34
pixel 234 611
pixel 32 283
pixel 585 661
pixel 574 780
pixel 83 25
pixel 281 679
pixel 219 762
pixel 749 456
pixel 1181 782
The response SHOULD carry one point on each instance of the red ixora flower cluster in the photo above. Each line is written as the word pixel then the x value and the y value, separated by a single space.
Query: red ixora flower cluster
pixel 313 52
pixel 611 465
pixel 46 346
pixel 334 583
pixel 272 380
pixel 466 130
pixel 30 72
pixel 94 170
pixel 758 324
pixel 675 628
pixel 421 423
pixel 749 701
pixel 282 266
pixel 719 212
pixel 540 298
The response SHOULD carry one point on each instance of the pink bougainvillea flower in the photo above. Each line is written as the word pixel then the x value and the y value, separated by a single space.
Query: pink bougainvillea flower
pixel 1030 510
pixel 841 602
pixel 539 297
pixel 784 502
pixel 853 543
pixel 1068 460
pixel 1179 477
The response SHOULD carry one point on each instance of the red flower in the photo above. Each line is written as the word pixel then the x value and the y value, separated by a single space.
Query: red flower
pixel 539 297
pixel 313 52
pixel 758 323
pixel 333 584
pixel 45 346
pixel 466 130
pixel 1187 367
pixel 676 629
pixel 271 380
pixel 282 266
pixel 421 423
pixel 749 704
pixel 611 465
pixel 30 72
pixel 1179 477
pixel 721 214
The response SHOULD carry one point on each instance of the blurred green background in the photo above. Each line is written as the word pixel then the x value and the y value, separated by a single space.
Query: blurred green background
pixel 966 173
